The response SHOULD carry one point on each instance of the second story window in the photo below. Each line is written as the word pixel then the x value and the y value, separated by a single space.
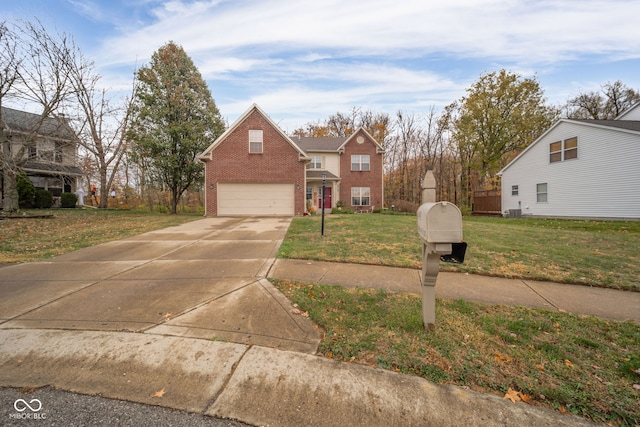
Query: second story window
pixel 255 141
pixel 360 162
pixel 316 162
pixel 57 154
pixel 563 150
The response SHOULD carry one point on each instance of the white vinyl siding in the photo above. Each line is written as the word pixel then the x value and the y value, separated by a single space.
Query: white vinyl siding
pixel 236 199
pixel 604 183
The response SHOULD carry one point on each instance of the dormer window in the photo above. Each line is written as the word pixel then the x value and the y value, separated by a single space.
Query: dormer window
pixel 255 141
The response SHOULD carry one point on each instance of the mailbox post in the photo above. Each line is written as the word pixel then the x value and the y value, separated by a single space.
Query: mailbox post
pixel 440 229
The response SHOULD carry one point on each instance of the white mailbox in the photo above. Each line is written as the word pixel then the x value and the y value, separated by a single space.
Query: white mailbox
pixel 440 222
pixel 440 229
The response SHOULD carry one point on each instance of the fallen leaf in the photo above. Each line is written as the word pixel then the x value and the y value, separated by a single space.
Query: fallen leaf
pixel 637 371
pixel 513 395
pixel 159 393
pixel 501 357
pixel 569 363
pixel 540 367
pixel 636 386
pixel 167 315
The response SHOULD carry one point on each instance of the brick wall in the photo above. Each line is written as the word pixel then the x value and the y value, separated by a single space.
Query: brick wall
pixel 371 178
pixel 232 163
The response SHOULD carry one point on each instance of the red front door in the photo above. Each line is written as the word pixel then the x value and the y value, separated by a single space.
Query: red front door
pixel 327 199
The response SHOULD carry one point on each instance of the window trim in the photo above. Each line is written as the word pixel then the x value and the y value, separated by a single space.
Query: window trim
pixel 256 136
pixel 316 164
pixel 559 153
pixel 540 193
pixel 357 159
pixel 360 193
pixel 515 190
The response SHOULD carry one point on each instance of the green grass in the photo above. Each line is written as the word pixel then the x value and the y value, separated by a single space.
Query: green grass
pixel 33 239
pixel 595 253
pixel 565 362
pixel 576 364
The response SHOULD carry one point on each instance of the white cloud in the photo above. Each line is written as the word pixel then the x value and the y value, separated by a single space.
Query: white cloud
pixel 310 58
pixel 518 30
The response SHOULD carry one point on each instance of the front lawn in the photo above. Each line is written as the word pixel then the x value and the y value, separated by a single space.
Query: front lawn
pixel 570 363
pixel 34 239
pixel 596 253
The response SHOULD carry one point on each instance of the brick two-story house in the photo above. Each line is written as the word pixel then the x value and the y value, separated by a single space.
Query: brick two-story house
pixel 254 168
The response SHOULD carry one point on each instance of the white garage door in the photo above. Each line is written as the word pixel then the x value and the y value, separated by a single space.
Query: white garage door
pixel 255 199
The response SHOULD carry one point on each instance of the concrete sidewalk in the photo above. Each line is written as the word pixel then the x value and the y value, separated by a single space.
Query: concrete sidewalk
pixel 185 318
pixel 606 303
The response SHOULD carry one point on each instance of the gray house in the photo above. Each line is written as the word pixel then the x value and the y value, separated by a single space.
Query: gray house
pixel 49 150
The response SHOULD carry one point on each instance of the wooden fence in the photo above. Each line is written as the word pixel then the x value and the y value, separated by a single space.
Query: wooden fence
pixel 487 203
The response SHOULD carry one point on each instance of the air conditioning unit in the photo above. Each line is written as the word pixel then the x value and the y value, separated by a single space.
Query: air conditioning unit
pixel 515 213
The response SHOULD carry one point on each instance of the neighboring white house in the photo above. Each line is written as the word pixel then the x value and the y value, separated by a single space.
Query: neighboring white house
pixel 578 168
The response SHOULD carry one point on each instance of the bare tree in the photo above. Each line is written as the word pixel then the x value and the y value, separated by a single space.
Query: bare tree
pixel 10 61
pixel 103 127
pixel 610 102
pixel 34 69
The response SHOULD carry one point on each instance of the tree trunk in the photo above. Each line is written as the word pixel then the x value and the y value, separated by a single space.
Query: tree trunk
pixel 104 189
pixel 10 191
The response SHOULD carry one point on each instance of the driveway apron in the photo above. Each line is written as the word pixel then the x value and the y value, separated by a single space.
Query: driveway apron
pixel 204 279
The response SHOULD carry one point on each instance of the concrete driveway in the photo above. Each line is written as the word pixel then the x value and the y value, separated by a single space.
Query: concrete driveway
pixel 204 279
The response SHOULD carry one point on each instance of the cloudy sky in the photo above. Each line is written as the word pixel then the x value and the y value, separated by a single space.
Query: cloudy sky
pixel 302 60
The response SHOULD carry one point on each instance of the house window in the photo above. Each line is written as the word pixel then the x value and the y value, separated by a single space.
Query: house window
pixel 571 148
pixel 309 193
pixel 57 154
pixel 360 162
pixel 514 190
pixel 360 196
pixel 316 162
pixel 541 193
pixel 255 141
pixel 33 153
pixel 555 152
pixel 563 150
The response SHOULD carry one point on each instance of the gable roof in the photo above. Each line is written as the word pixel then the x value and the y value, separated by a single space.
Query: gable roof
pixel 628 111
pixel 206 154
pixel 630 126
pixel 379 148
pixel 621 124
pixel 319 144
pixel 22 121
pixel 333 145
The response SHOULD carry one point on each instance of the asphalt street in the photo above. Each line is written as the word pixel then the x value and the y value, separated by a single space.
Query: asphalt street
pixel 62 408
